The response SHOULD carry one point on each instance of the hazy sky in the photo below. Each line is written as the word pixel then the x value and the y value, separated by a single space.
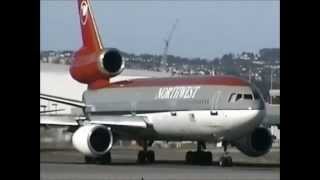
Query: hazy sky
pixel 206 29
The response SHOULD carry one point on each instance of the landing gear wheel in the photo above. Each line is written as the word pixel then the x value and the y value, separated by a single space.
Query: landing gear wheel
pixel 189 157
pixel 89 160
pixel 141 157
pixel 105 159
pixel 207 158
pixel 202 157
pixel 225 161
pixel 150 156
pixel 199 156
pixel 145 155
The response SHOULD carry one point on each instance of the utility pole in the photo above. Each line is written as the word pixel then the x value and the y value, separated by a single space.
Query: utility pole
pixel 56 107
pixel 271 72
pixel 249 74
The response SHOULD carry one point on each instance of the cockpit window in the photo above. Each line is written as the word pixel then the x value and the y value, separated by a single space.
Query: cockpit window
pixel 247 96
pixel 232 97
pixel 238 97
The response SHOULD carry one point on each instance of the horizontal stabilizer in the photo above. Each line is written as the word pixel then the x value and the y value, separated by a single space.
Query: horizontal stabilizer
pixel 56 110
pixel 62 100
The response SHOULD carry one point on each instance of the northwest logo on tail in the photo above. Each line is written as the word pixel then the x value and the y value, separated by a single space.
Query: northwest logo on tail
pixel 84 12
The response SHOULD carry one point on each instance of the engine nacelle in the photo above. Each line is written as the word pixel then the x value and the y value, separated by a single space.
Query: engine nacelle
pixel 111 62
pixel 256 144
pixel 96 68
pixel 93 140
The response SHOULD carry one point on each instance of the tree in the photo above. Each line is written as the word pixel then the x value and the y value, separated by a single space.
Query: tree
pixel 270 54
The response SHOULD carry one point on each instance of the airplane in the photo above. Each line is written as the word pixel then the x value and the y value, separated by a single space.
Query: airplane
pixel 218 109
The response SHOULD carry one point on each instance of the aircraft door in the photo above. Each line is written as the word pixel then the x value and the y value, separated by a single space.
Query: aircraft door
pixel 214 103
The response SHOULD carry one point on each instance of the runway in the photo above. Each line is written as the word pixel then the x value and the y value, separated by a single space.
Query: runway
pixel 69 164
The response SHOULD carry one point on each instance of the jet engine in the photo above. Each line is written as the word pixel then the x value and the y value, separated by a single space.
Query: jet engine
pixel 255 144
pixel 93 140
pixel 111 62
pixel 95 68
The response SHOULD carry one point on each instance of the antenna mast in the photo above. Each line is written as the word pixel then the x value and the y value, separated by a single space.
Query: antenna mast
pixel 163 62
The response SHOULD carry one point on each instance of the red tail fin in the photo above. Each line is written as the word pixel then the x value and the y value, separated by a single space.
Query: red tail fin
pixel 90 35
pixel 92 64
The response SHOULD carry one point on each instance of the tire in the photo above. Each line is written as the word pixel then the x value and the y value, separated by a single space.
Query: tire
pixel 201 158
pixel 150 156
pixel 141 157
pixel 208 158
pixel 222 162
pixel 189 157
pixel 105 159
pixel 195 158
pixel 89 160
pixel 229 161
pixel 225 161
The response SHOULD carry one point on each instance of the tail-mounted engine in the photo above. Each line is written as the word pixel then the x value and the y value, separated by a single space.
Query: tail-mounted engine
pixel 111 63
pixel 93 140
pixel 95 69
pixel 256 144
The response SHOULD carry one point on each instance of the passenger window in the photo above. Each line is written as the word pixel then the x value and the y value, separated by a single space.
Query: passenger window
pixel 247 96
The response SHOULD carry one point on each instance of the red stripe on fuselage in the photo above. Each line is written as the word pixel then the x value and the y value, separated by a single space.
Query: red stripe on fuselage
pixel 182 81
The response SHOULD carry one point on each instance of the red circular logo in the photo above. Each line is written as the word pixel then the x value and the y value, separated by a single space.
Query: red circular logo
pixel 84 12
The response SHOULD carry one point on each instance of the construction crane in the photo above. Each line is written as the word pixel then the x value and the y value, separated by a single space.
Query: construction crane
pixel 167 41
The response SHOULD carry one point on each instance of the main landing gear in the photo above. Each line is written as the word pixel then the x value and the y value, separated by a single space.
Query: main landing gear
pixel 105 159
pixel 199 156
pixel 226 159
pixel 145 156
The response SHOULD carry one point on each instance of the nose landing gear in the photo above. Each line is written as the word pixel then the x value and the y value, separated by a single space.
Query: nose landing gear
pixel 226 159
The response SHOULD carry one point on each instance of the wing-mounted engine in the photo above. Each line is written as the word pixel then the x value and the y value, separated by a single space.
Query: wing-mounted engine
pixel 93 140
pixel 256 144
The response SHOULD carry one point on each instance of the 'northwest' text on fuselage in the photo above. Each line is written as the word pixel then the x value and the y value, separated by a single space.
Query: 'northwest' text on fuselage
pixel 179 92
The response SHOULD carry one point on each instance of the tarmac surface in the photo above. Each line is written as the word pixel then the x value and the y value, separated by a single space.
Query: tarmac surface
pixel 69 164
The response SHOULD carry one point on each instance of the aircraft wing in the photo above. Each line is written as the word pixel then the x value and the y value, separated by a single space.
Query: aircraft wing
pixel 69 120
pixel 59 120
pixel 52 111
pixel 129 121
pixel 111 121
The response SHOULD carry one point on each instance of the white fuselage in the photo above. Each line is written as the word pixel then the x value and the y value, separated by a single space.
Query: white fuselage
pixel 195 125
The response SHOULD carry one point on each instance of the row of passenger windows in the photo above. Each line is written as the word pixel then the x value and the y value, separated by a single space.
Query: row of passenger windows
pixel 234 97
